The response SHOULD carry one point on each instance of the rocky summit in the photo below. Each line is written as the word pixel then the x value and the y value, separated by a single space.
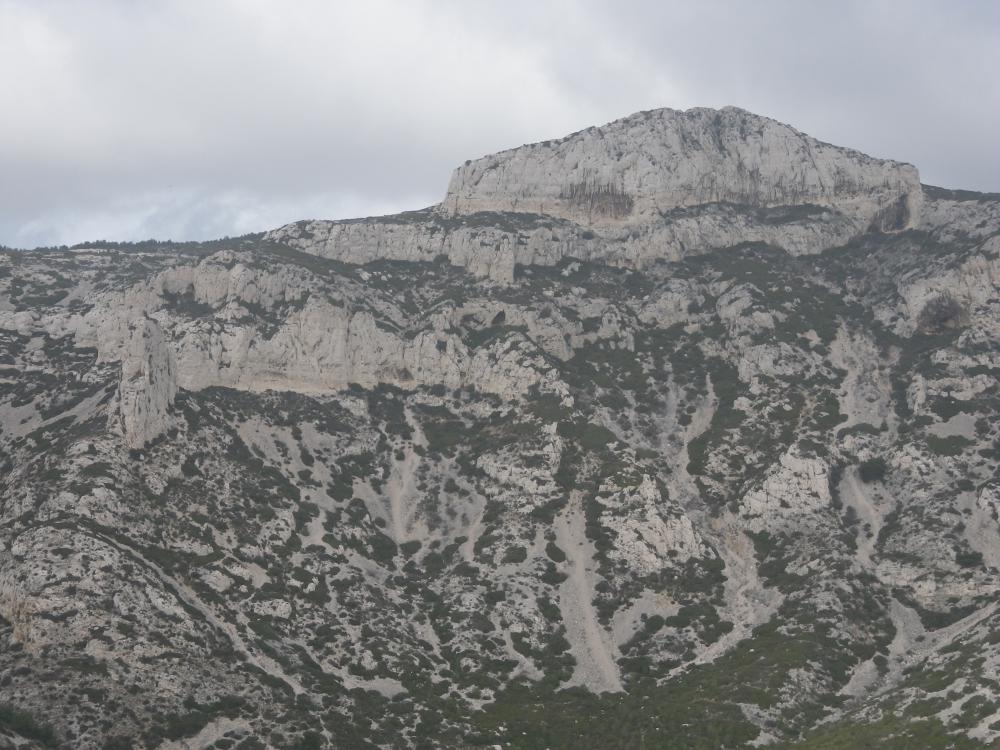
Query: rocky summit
pixel 678 432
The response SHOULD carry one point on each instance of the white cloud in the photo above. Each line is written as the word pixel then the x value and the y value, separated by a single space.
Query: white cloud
pixel 191 214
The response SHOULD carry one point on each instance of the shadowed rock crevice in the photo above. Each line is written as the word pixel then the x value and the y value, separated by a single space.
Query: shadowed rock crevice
pixel 598 201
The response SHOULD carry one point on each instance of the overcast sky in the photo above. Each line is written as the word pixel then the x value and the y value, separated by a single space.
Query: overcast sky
pixel 189 119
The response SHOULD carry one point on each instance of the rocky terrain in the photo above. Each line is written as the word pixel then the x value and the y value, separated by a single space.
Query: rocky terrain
pixel 683 431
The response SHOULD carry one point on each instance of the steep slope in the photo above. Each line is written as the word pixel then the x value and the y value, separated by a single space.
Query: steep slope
pixel 349 485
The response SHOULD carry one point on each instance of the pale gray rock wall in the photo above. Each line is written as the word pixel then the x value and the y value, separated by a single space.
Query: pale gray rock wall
pixel 323 347
pixel 148 384
pixel 634 168
pixel 492 252
pixel 316 345
pixel 656 185
pixel 485 251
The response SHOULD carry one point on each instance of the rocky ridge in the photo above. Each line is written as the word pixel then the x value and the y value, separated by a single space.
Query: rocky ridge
pixel 701 448
pixel 656 185
pixel 639 167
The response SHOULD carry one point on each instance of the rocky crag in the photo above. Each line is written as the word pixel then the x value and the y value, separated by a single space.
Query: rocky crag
pixel 655 186
pixel 684 429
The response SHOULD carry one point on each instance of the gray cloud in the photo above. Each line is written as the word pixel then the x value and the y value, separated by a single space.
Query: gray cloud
pixel 182 120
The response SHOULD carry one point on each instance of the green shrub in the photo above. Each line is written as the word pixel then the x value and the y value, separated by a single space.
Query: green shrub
pixel 872 470
pixel 24 724
pixel 555 553
pixel 969 558
pixel 515 555
pixel 952 445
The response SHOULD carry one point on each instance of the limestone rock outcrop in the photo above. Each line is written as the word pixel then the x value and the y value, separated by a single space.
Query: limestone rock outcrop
pixel 148 384
pixel 636 168
pixel 657 185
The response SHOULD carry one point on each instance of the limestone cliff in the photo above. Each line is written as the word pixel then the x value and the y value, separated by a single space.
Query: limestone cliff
pixel 656 185
pixel 635 168
pixel 148 384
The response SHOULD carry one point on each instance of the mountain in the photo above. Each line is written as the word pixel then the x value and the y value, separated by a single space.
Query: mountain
pixel 683 431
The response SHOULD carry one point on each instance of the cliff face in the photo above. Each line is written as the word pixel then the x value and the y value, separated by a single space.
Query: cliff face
pixel 634 169
pixel 654 186
pixel 284 329
pixel 710 448
pixel 492 245
pixel 148 384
